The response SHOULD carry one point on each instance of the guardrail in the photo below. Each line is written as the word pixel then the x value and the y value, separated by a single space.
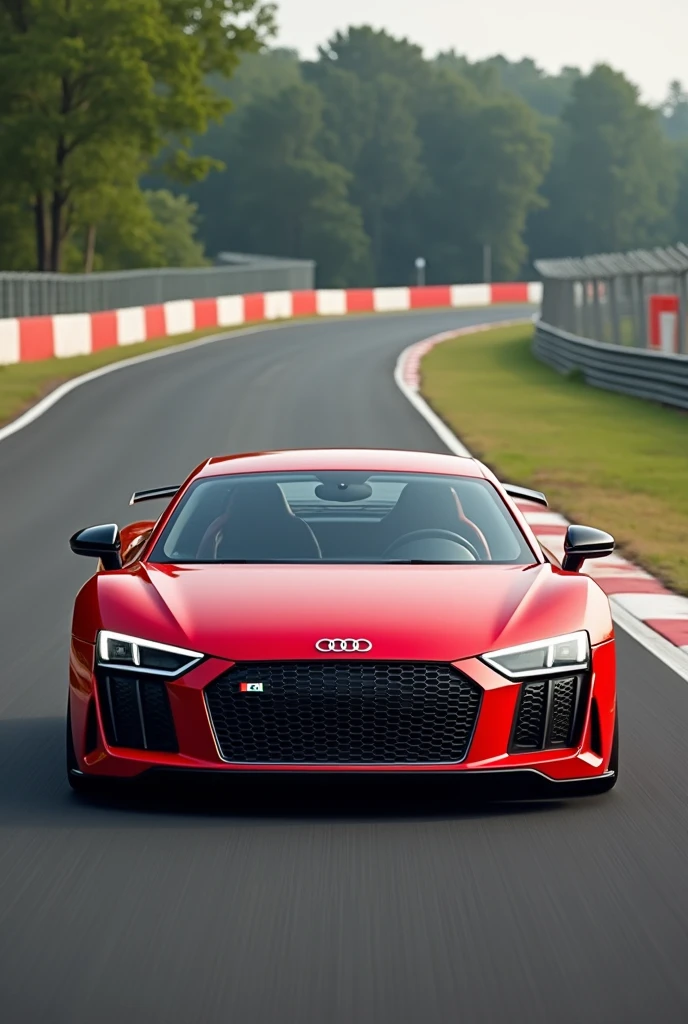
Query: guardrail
pixel 648 374
pixel 23 295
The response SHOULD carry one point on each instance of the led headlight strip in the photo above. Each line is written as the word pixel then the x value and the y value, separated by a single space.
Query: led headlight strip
pixel 132 654
pixel 567 653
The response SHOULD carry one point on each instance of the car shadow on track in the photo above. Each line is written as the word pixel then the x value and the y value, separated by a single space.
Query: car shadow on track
pixel 34 793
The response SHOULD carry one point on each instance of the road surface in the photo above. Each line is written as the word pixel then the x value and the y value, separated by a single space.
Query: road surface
pixel 300 902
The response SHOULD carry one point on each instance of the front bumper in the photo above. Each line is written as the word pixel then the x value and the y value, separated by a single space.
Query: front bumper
pixel 489 764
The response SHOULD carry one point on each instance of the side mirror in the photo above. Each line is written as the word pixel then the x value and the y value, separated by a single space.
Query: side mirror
pixel 101 542
pixel 583 542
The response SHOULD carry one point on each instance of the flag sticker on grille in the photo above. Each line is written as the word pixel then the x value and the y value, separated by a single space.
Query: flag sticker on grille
pixel 250 687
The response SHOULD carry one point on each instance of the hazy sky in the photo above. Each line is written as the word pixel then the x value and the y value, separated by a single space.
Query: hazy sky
pixel 648 39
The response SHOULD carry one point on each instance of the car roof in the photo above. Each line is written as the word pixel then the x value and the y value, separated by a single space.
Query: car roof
pixel 368 459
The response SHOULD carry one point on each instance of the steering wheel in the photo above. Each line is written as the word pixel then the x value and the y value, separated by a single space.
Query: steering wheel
pixel 432 535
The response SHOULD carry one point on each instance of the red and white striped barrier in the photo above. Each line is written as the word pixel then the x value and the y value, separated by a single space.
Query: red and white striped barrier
pixel 27 339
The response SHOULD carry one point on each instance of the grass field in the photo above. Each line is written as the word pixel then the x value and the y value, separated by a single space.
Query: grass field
pixel 603 459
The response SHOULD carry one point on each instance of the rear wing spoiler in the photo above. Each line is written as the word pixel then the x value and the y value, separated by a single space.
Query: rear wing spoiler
pixel 152 495
pixel 525 494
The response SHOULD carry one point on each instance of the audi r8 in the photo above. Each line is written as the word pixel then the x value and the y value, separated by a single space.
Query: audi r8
pixel 343 611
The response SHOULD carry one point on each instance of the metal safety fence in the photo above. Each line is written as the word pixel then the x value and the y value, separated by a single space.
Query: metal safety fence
pixel 621 320
pixel 638 298
pixel 238 274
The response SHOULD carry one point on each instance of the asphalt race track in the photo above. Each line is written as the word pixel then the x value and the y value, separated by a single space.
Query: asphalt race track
pixel 296 901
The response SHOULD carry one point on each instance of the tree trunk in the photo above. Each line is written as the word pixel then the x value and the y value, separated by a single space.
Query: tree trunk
pixel 59 198
pixel 42 231
pixel 377 239
pixel 57 231
pixel 90 251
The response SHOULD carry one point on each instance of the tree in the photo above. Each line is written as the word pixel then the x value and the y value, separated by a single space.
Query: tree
pixel 674 113
pixel 148 229
pixel 680 224
pixel 285 198
pixel 81 78
pixel 546 94
pixel 368 80
pixel 484 161
pixel 613 183
pixel 388 167
pixel 368 53
pixel 16 236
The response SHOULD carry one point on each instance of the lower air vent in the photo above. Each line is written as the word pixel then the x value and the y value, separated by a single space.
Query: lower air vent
pixel 91 728
pixel 136 712
pixel 548 716
pixel 532 716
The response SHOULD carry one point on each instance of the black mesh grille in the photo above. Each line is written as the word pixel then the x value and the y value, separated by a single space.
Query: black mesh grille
pixel 532 714
pixel 564 696
pixel 136 712
pixel 344 712
pixel 548 714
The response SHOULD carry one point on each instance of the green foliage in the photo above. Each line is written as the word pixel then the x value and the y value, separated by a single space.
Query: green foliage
pixel 80 80
pixel 284 197
pixel 486 159
pixel 681 221
pixel 439 167
pixel 368 54
pixel 613 182
pixel 129 127
pixel 546 94
pixel 17 246
pixel 674 112
pixel 148 229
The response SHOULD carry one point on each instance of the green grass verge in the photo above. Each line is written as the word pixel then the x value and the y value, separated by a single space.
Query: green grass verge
pixel 603 459
pixel 23 384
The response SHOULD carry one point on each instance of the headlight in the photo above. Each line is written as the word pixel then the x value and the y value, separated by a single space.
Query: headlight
pixel 115 650
pixel 569 653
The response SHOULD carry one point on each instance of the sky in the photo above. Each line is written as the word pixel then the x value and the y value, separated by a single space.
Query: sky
pixel 646 40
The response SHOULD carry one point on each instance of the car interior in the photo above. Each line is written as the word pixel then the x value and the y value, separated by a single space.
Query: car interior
pixel 341 517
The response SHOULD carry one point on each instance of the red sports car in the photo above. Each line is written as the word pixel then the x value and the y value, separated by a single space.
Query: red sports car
pixel 343 611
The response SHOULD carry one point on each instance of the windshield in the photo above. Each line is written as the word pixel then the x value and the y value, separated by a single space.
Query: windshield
pixel 345 517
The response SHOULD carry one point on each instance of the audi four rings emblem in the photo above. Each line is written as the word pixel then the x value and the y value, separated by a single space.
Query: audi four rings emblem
pixel 343 646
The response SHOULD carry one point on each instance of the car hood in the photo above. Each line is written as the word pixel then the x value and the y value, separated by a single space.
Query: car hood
pixel 439 613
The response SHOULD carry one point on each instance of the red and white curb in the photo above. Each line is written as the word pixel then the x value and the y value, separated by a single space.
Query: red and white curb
pixel 31 338
pixel 641 604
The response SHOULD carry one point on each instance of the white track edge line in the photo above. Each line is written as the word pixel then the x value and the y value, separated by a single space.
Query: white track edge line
pixel 51 399
pixel 446 436
pixel 671 655
pixel 654 642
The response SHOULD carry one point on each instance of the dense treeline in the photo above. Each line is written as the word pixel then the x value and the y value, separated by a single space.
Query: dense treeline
pixel 147 132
